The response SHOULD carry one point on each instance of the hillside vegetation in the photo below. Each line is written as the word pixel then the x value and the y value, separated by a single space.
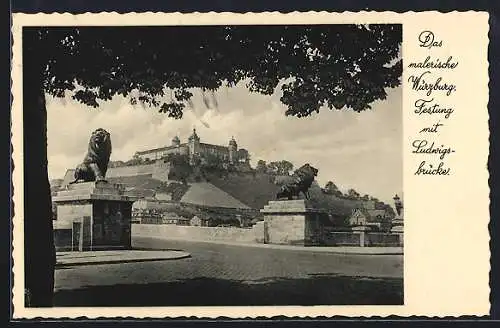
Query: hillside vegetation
pixel 253 190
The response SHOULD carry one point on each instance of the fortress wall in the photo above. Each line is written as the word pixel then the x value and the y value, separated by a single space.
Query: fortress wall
pixel 256 234
pixel 161 171
pixel 191 233
pixel 125 171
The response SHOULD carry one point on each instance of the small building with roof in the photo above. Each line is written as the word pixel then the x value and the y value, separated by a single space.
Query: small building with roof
pixel 374 218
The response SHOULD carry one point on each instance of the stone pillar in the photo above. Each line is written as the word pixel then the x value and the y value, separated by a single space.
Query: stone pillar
pixel 292 222
pixel 361 230
pixel 398 229
pixel 259 232
pixel 93 216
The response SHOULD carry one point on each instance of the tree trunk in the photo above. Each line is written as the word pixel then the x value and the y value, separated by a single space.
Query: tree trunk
pixel 39 251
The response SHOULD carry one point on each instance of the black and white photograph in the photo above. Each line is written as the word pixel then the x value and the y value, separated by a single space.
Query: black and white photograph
pixel 225 165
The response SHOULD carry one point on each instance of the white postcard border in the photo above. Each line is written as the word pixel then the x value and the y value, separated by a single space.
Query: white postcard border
pixel 443 277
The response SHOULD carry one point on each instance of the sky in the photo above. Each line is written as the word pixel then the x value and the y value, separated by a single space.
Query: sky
pixel 354 150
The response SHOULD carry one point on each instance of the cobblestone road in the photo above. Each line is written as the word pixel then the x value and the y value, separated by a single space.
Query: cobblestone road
pixel 234 275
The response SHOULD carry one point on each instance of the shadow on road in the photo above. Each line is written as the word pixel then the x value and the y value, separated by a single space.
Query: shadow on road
pixel 317 290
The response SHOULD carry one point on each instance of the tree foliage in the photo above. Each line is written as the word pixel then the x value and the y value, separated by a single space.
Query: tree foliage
pixel 282 167
pixel 180 168
pixel 136 160
pixel 175 189
pixel 330 187
pixel 389 210
pixel 353 194
pixel 261 166
pixel 323 65
pixel 213 162
pixel 243 155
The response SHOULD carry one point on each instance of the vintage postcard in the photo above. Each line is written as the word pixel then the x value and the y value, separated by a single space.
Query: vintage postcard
pixel 247 165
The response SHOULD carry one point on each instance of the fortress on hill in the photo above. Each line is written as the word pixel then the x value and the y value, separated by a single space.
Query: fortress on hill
pixel 196 149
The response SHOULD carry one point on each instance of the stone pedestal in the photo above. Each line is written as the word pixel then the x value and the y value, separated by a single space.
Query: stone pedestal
pixel 93 216
pixel 292 222
pixel 399 229
pixel 361 230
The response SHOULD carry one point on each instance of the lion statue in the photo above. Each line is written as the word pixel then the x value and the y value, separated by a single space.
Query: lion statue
pixel 95 163
pixel 304 177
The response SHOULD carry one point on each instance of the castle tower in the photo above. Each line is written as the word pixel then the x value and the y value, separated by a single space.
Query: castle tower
pixel 233 148
pixel 398 204
pixel 193 145
pixel 176 141
pixel 398 221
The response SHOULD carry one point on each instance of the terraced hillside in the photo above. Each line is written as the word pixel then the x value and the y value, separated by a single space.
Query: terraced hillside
pixel 206 194
pixel 254 191
pixel 143 181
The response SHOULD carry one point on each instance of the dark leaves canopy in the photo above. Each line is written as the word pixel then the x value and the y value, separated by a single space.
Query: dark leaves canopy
pixel 335 66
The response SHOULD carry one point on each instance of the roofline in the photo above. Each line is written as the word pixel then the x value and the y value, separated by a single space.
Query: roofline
pixel 148 151
pixel 213 145
pixel 158 149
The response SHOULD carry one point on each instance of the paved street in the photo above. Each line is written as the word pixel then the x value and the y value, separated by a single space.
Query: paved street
pixel 234 275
